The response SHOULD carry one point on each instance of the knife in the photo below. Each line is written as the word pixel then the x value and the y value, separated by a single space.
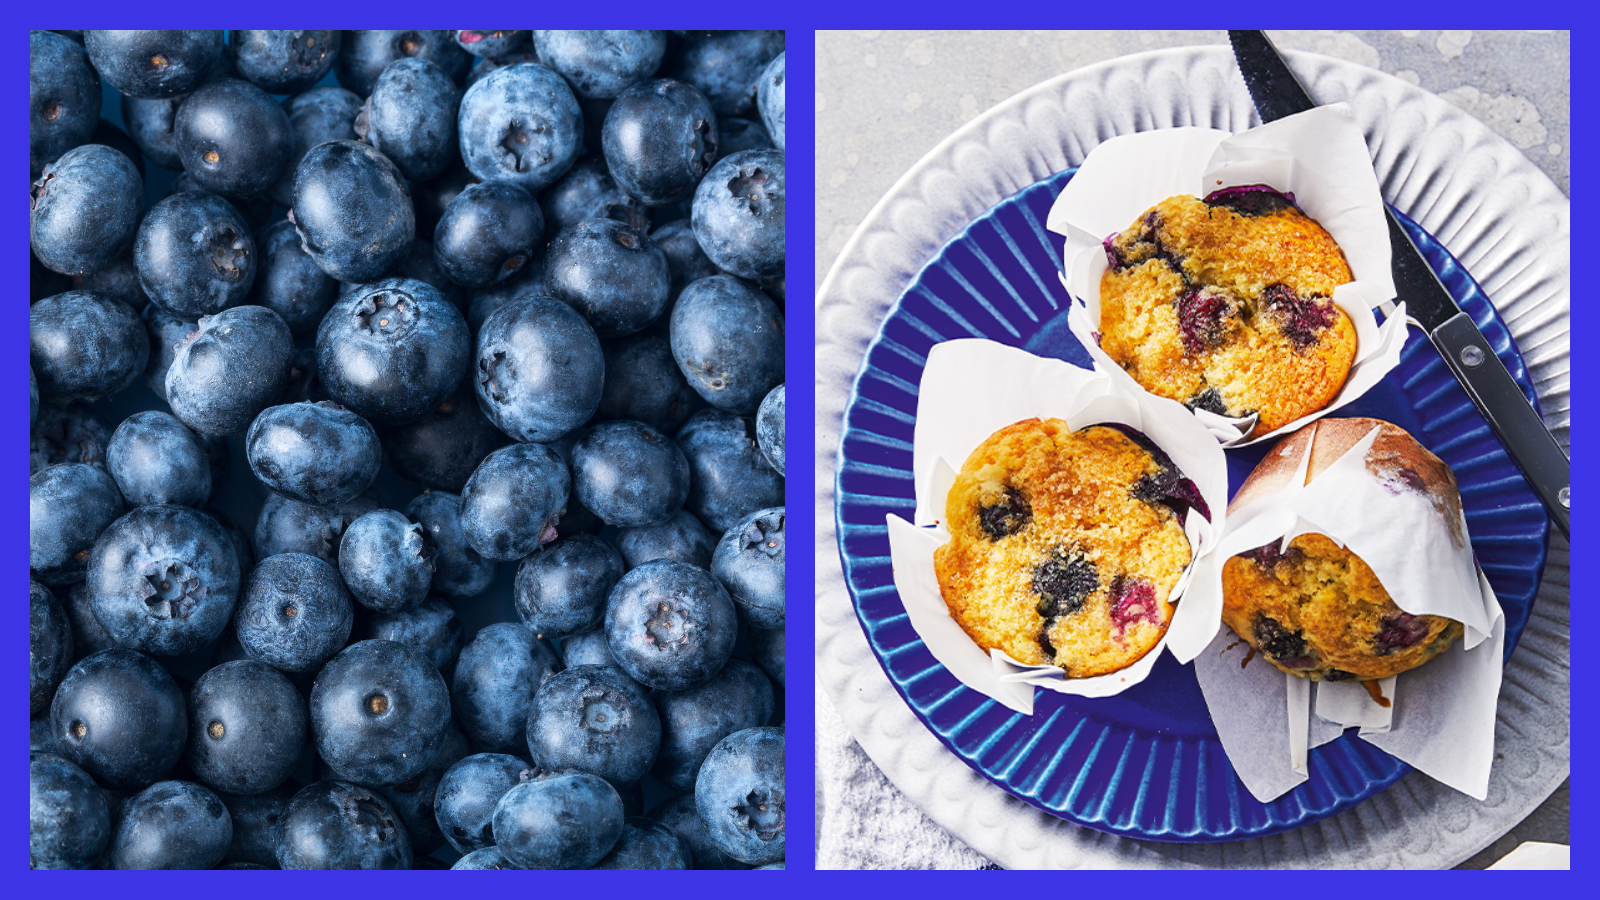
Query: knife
pixel 1277 93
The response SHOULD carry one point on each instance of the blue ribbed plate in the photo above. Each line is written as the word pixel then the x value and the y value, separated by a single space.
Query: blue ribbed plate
pixel 1146 763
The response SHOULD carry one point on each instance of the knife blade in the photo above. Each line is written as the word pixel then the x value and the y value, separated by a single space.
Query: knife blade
pixel 1465 351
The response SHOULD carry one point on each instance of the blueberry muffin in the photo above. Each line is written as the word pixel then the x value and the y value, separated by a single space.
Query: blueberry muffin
pixel 1225 304
pixel 1064 546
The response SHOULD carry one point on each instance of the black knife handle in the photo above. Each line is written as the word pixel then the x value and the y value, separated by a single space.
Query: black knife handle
pixel 1506 409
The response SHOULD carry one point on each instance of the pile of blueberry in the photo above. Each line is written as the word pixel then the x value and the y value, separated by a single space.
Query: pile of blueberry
pixel 407 449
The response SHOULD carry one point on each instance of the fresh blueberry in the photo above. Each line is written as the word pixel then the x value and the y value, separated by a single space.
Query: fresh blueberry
pixel 171 825
pixel 233 138
pixel 392 350
pixel 490 43
pixel 486 858
pixel 431 627
pixel 413 799
pixel 121 717
pixel 769 428
pixel 289 526
pixel 440 450
pixel 84 345
pixel 249 726
pixel 339 825
pixel 725 65
pixel 164 579
pixel 647 844
pixel 195 255
pixel 69 506
pixel 410 117
pixel 322 114
pixel 49 647
pixel 588 649
pixel 610 273
pixel 520 124
pixel 494 684
pixel 119 280
pixel 629 474
pixel 156 460
pixel 154 64
pixel 594 719
pixel 660 139
pixel 682 538
pixel 739 213
pixel 727 338
pixel 749 563
pixel 459 570
pixel 318 453
pixel 85 210
pixel 380 712
pixel 681 815
pixel 255 824
pixel 643 383
pixel 769 98
pixel 731 476
pixel 736 135
pixel 566 821
pixel 670 625
pixel 69 821
pixel 63 98
pixel 387 561
pixel 165 332
pixel 601 63
pixel 88 635
pixel 561 588
pixel 290 283
pixel 352 210
pixel 150 125
pixel 468 793
pixel 295 613
pixel 283 62
pixel 588 191
pixel 694 720
pixel 365 54
pixel 488 233
pixel 107 133
pixel 512 502
pixel 740 794
pixel 68 433
pixel 540 369
pixel 234 365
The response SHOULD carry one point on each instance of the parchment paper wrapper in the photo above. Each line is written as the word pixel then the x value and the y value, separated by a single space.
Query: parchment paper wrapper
pixel 1441 720
pixel 1318 155
pixel 972 388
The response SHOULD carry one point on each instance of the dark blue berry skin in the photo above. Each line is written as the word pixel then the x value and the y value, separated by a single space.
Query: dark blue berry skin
pixel 769 99
pixel 539 369
pixel 486 858
pixel 488 233
pixel 234 365
pixel 165 332
pixel 738 135
pixel 561 588
pixel 69 506
pixel 566 821
pixel 731 477
pixel 682 538
pixel 410 117
pixel 154 64
pixel 643 383
pixel 353 210
pixel 295 613
pixel 88 635
pixel 84 345
pixel 440 450
pixel 414 798
pixel 321 114
pixel 610 273
pixel 587 649
pixel 119 280
pixel 739 213
pixel 659 140
pixel 769 428
pixel 693 721
pixel 236 535
pixel 171 825
pixel 520 124
pixel 380 712
pixel 121 717
pixel 233 138
pixel 724 65
pixel 106 132
pixel 339 825
pixel 431 627
pixel 156 460
pixel 601 63
pixel 290 283
pixel 164 579
pixel 594 719
pixel 85 210
pixel 69 822
pixel 255 824
pixel 393 350
pixel 150 125
pixel 386 561
pixel 468 793
pixel 364 55
pixel 670 625
pixel 647 844
pixel 459 570
pixel 727 338
pixel 63 98
pixel 768 652
pixel 588 191
pixel 749 563
pixel 740 795
pixel 317 453
pixel 494 684
pixel 195 255
pixel 512 502
pixel 289 526
pixel 629 474
pixel 49 647
pixel 685 260
pixel 249 726
pixel 682 817
pixel 283 62
pixel 68 433
pixel 430 198
pixel 490 43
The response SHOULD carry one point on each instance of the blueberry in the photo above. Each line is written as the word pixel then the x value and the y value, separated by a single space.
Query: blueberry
pixel 249 726
pixel 588 191
pixel 568 821
pixel 1301 319
pixel 69 433
pixel 1399 630
pixel 386 560
pixel 121 717
pixel 295 612
pixel 234 365
pixel 171 825
pixel 682 538
pixel 84 345
pixel 593 719
pixel 486 858
pixel 69 821
pixel 195 255
pixel 164 579
pixel 520 124
pixel 85 210
pixel 290 283
pixel 150 125
pixel 468 793
pixel 430 198
pixel 727 338
pixel 769 428
pixel 540 369
pixel 339 825
pixel 670 625
pixel 380 712
pixel 484 65
pixel 660 139
pixel 512 502
pixel 413 799
pixel 119 280
pixel 88 635
pixel 233 138
pixel 317 116
pixel 255 824
pixel 459 570
pixel 736 135
pixel 685 260
pixel 731 477
pixel 647 844
pixel 431 627
pixel 561 588
pixel 63 98
pixel 365 54
pixel 610 273
pixel 392 350
pixel 352 210
pixel 49 647
pixel 154 64
pixel 725 65
pixel 157 460
pixel 289 526
pixel 739 213
pixel 629 474
pixel 490 43
pixel 740 794
pixel 410 117
pixel 441 449
pixel 1279 643
pixel 318 453
pixel 601 63
pixel 69 506
pixel 588 649
pixel 681 815
pixel 749 563
pixel 694 720
pixel 488 233
pixel 283 62
pixel 769 98
pixel 495 681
